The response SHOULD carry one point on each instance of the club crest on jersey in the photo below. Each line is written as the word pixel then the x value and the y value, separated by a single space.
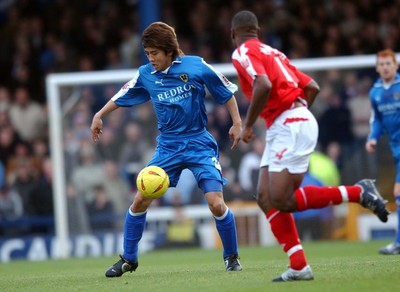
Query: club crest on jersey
pixel 396 95
pixel 184 77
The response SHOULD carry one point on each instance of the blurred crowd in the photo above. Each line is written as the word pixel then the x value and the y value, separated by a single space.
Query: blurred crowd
pixel 48 36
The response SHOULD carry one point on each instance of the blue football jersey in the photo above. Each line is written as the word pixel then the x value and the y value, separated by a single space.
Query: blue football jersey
pixel 385 101
pixel 385 117
pixel 177 93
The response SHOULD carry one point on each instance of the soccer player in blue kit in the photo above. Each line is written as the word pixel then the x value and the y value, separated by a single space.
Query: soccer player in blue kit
pixel 385 101
pixel 175 84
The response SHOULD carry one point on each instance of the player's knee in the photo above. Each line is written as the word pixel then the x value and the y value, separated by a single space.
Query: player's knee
pixel 282 204
pixel 217 207
pixel 140 204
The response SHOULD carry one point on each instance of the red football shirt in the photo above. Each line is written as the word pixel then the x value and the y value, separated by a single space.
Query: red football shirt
pixel 254 58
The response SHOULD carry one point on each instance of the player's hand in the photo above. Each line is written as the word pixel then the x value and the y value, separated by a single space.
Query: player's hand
pixel 370 146
pixel 247 134
pixel 234 134
pixel 96 128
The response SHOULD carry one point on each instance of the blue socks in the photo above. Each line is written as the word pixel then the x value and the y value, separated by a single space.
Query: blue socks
pixel 133 231
pixel 398 220
pixel 227 231
pixel 135 224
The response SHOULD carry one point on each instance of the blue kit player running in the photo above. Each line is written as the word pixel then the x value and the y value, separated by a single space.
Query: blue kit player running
pixel 385 101
pixel 176 84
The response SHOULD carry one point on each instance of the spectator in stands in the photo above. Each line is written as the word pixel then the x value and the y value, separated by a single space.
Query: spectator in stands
pixel 362 163
pixel 8 142
pixel 132 156
pixel 79 123
pixel 250 166
pixel 101 210
pixel 41 199
pixel 40 150
pixel 27 116
pixel 89 173
pixel 221 125
pixel 24 182
pixel 324 169
pixel 181 230
pixel 78 218
pixel 4 119
pixel 11 209
pixel 5 100
pixel 71 152
pixel 340 131
pixel 109 147
pixel 114 61
pixel 130 47
pixel 22 155
pixel 117 189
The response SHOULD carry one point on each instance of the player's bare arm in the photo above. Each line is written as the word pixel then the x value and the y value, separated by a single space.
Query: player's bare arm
pixel 261 89
pixel 310 92
pixel 97 123
pixel 236 129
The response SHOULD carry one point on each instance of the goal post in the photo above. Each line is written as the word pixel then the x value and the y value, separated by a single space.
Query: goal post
pixel 55 81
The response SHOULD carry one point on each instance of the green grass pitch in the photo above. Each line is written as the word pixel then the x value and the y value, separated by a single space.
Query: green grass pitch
pixel 337 266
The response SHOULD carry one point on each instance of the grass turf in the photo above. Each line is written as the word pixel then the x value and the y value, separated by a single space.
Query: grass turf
pixel 337 266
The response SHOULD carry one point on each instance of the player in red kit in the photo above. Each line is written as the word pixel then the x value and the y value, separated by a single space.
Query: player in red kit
pixel 281 94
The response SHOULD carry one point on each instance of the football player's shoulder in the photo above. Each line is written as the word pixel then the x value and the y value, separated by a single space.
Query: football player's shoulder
pixel 376 89
pixel 146 69
pixel 397 80
pixel 378 84
pixel 191 59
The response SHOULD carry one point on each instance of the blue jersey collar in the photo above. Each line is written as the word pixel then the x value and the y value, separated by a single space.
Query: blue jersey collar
pixel 177 60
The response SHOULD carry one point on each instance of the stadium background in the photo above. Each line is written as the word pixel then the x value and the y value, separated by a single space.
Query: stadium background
pixel 51 36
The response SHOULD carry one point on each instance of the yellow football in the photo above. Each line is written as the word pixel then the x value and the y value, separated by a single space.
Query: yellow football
pixel 152 182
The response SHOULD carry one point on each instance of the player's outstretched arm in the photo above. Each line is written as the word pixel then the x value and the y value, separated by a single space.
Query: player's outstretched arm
pixel 236 129
pixel 97 123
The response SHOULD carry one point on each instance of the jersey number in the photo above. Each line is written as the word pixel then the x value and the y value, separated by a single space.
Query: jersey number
pixel 267 50
pixel 216 164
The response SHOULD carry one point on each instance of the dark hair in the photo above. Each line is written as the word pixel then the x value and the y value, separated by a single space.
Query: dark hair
pixel 161 36
pixel 245 20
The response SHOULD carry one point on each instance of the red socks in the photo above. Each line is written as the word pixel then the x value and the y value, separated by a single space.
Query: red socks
pixel 309 197
pixel 312 197
pixel 284 229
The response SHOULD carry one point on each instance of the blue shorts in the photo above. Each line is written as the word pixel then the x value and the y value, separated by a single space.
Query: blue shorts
pixel 197 152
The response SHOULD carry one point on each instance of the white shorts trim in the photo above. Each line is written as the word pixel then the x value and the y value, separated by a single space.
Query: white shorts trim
pixel 290 141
